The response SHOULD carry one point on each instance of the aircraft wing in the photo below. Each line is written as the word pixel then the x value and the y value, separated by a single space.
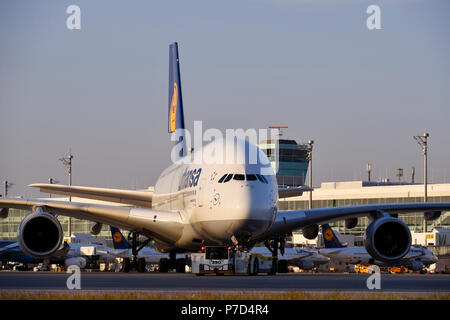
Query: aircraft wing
pixel 288 221
pixel 287 192
pixel 141 198
pixel 165 226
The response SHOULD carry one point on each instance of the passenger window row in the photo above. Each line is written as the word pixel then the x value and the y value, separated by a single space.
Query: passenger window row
pixel 242 177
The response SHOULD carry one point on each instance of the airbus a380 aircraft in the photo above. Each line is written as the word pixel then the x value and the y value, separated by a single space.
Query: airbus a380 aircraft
pixel 208 204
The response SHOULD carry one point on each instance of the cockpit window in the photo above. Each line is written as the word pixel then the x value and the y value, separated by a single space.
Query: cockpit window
pixel 242 177
pixel 223 178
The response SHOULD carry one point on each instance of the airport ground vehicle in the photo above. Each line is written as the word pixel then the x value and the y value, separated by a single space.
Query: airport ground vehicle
pixel 363 268
pixel 223 260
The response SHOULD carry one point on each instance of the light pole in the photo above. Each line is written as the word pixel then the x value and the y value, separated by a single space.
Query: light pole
pixel 369 170
pixel 51 181
pixel 309 148
pixel 7 185
pixel 68 163
pixel 400 174
pixel 423 142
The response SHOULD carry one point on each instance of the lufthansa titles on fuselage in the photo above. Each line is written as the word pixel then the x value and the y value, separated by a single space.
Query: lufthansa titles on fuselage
pixel 189 178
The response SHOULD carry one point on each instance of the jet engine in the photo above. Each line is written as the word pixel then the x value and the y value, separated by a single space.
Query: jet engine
pixel 3 213
pixel 431 215
pixel 387 239
pixel 311 232
pixel 96 227
pixel 306 265
pixel 40 235
pixel 351 223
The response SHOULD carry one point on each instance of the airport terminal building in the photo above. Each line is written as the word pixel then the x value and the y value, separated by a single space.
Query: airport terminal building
pixel 349 193
pixel 330 194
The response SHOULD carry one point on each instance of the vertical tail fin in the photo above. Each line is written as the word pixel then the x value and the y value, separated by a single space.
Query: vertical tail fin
pixel 329 237
pixel 119 240
pixel 176 115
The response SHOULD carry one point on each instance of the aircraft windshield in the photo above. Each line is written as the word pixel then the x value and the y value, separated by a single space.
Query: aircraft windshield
pixel 218 253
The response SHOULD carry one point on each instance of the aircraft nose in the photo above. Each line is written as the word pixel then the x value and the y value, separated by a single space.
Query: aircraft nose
pixel 253 205
pixel 253 211
pixel 239 208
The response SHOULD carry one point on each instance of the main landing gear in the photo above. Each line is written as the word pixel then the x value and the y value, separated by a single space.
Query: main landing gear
pixel 135 263
pixel 273 245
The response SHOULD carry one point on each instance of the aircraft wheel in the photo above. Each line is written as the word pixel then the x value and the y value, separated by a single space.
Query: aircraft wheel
pixel 255 266
pixel 180 266
pixel 164 265
pixel 249 269
pixel 282 266
pixel 141 265
pixel 126 265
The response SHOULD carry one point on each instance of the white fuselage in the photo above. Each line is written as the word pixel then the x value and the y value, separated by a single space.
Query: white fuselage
pixel 295 255
pixel 101 250
pixel 212 212
pixel 360 255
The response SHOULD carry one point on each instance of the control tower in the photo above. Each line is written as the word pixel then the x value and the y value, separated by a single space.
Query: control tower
pixel 290 163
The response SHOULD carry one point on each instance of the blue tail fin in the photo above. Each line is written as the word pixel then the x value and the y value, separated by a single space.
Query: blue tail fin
pixel 329 237
pixel 119 240
pixel 176 115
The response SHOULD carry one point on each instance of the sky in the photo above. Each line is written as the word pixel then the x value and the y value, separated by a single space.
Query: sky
pixel 313 66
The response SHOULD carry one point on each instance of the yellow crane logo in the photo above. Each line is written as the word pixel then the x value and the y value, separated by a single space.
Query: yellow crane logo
pixel 117 237
pixel 328 234
pixel 173 108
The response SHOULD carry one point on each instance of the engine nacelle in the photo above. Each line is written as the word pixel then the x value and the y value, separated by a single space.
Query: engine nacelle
pixel 75 261
pixel 414 265
pixel 96 227
pixel 351 223
pixel 387 239
pixel 310 232
pixel 40 235
pixel 306 264
pixel 431 215
pixel 3 213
